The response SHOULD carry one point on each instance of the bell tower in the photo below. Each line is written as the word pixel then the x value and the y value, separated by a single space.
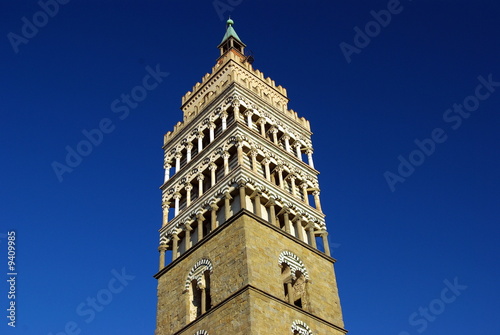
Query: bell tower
pixel 243 232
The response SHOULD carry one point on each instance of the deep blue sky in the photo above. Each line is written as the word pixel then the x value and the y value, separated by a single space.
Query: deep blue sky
pixel 394 249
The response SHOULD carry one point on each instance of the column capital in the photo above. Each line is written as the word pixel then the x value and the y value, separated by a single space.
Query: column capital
pixel 188 187
pixel 254 152
pixel 165 204
pixel 177 195
pixel 271 202
pixel 211 125
pixel 224 114
pixel 309 150
pixel 200 135
pixel 286 137
pixel 274 130
pixel 189 146
pixel 226 154
pixel 310 225
pixel 212 166
pixel 248 112
pixel 178 155
pixel 162 247
pixel 200 177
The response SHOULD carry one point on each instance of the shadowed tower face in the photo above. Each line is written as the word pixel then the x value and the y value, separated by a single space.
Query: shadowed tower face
pixel 243 244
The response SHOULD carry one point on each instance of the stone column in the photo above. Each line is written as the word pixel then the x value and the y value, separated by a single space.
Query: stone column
pixel 165 206
pixel 309 152
pixel 254 154
pixel 189 148
pixel 248 114
pixel 239 147
pixel 188 188
pixel 279 168
pixel 298 227
pixel 286 219
pixel 256 203
pixel 188 236
pixel 200 184
pixel 200 218
pixel 203 299
pixel 304 192
pixel 162 249
pixel 236 110
pixel 274 131
pixel 243 199
pixel 200 141
pixel 290 292
pixel 311 235
pixel 175 246
pixel 223 116
pixel 317 203
pixel 177 197
pixel 227 205
pixel 226 156
pixel 286 137
pixel 178 157
pixel 272 211
pixel 211 126
pixel 213 214
pixel 266 162
pixel 326 245
pixel 292 181
pixel 167 167
pixel 262 123
pixel 297 150
pixel 212 167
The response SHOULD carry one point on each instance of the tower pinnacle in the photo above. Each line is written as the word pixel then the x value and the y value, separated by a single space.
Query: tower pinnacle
pixel 231 40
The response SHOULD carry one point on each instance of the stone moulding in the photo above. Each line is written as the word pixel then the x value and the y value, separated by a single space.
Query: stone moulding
pixel 197 272
pixel 294 262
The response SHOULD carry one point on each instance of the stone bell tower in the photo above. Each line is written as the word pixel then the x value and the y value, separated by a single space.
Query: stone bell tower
pixel 242 219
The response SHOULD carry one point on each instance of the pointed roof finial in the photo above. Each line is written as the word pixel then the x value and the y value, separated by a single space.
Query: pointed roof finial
pixel 230 32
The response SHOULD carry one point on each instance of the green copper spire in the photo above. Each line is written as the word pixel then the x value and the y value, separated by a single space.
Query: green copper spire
pixel 230 32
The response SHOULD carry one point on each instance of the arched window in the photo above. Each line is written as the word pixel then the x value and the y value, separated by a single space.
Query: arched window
pixel 300 328
pixel 294 277
pixel 198 285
